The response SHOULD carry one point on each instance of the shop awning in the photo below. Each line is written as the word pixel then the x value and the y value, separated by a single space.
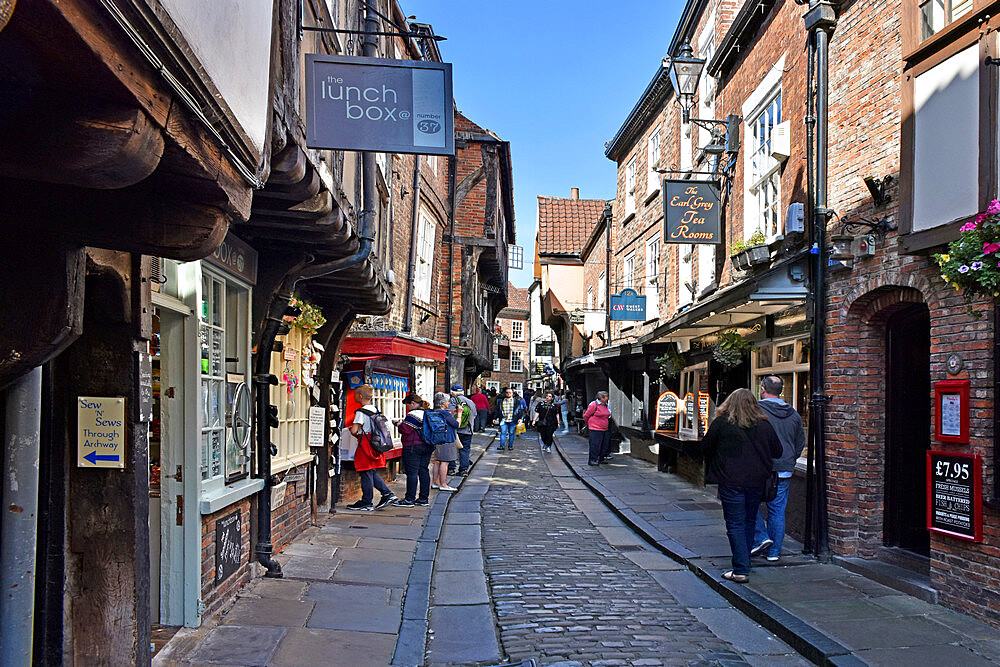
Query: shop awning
pixel 395 343
pixel 765 294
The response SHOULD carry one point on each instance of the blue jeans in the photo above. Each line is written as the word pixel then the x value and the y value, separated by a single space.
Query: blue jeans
pixel 565 418
pixel 370 478
pixel 465 451
pixel 416 459
pixel 774 528
pixel 739 508
pixel 507 432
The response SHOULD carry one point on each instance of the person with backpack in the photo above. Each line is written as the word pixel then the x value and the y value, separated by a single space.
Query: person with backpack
pixel 465 412
pixel 439 430
pixel 371 428
pixel 506 415
pixel 416 453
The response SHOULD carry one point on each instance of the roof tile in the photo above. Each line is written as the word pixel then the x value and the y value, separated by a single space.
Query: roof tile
pixel 565 224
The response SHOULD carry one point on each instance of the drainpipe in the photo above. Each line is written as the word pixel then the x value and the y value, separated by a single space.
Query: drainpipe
pixel 263 379
pixel 452 165
pixel 807 537
pixel 821 20
pixel 19 523
pixel 607 270
pixel 411 268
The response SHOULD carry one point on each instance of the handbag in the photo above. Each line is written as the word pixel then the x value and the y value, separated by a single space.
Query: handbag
pixel 770 487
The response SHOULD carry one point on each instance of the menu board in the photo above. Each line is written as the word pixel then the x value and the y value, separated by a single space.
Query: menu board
pixel 667 409
pixel 690 412
pixel 954 495
pixel 702 413
pixel 228 546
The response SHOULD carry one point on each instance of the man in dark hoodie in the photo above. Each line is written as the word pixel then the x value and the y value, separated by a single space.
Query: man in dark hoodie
pixel 788 425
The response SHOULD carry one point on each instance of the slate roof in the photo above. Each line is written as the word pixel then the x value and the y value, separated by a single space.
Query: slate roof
pixel 565 224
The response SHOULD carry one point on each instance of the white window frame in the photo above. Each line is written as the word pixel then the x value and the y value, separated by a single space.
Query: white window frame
pixel 944 12
pixel 590 298
pixel 628 271
pixel 762 173
pixel 652 278
pixel 516 362
pixel 432 162
pixel 706 88
pixel 652 162
pixel 493 384
pixel 602 289
pixel 517 387
pixel 630 184
pixel 496 363
pixel 685 274
pixel 706 265
pixel 516 330
pixel 424 271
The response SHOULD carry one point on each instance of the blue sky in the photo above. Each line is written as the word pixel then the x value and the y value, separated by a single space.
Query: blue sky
pixel 554 78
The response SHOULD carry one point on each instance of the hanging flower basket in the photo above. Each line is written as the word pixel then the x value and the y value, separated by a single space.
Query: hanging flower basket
pixel 309 320
pixel 972 263
pixel 730 348
pixel 671 363
pixel 752 252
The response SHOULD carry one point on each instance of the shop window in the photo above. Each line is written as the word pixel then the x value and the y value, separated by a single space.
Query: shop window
pixel 388 392
pixel 763 354
pixel 291 397
pixel 784 353
pixel 223 335
pixel 788 360
pixel 516 363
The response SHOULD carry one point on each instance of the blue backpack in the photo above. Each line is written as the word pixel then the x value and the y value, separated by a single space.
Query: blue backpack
pixel 435 429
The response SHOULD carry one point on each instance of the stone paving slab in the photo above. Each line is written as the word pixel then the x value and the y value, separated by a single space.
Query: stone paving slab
pixel 371 555
pixel 459 559
pixel 923 655
pixel 459 588
pixel 689 590
pixel 269 611
pixel 279 588
pixel 306 647
pixel 306 567
pixel 388 574
pixel 311 550
pixel 362 614
pixel 452 642
pixel 236 645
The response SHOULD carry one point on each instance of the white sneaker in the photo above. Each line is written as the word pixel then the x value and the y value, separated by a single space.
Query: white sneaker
pixel 435 486
pixel 447 488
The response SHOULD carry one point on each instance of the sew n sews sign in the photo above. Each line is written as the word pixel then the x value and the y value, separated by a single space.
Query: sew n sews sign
pixel 691 212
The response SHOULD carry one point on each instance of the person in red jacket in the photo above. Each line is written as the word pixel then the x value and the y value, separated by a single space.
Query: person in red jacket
pixel 597 416
pixel 482 404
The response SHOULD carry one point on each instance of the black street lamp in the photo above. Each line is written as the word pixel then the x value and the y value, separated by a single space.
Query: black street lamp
pixel 685 71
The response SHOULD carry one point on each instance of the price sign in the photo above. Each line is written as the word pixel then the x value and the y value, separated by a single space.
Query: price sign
pixel 228 546
pixel 954 495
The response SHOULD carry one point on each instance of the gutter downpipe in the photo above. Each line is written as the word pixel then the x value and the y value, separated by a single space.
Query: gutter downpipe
pixel 19 523
pixel 821 20
pixel 452 165
pixel 412 266
pixel 607 270
pixel 262 362
pixel 807 538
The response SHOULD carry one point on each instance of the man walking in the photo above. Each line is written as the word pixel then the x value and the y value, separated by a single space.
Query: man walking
pixel 507 414
pixel 787 423
pixel 465 412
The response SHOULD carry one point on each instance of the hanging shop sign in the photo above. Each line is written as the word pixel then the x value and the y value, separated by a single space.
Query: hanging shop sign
pixel 691 212
pixel 629 305
pixel 378 104
pixel 228 546
pixel 951 411
pixel 955 495
pixel 100 432
pixel 545 348
pixel 237 257
pixel 667 413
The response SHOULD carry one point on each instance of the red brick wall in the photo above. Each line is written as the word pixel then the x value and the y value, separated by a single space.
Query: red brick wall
pixel 214 596
pixel 292 516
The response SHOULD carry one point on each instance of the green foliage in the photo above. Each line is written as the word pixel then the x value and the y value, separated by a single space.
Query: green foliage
pixel 730 348
pixel 740 245
pixel 671 363
pixel 309 320
pixel 972 263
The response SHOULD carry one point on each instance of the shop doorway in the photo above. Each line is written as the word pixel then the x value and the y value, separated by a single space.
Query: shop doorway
pixel 166 467
pixel 907 432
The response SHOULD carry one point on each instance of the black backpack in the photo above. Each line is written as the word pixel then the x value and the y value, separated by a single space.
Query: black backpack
pixel 380 439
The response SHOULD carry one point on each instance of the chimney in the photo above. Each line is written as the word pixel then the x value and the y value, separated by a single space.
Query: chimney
pixel 574 193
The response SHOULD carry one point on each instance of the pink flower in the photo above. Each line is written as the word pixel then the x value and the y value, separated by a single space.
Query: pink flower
pixel 968 227
pixel 994 206
pixel 990 248
pixel 980 217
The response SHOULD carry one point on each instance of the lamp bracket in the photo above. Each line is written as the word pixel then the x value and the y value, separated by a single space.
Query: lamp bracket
pixel 879 227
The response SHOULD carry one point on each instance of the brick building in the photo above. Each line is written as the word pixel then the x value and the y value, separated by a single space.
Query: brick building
pixel 510 369
pixel 905 90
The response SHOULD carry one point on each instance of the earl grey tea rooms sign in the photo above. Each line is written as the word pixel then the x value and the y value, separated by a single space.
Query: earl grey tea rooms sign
pixel 377 104
pixel 691 212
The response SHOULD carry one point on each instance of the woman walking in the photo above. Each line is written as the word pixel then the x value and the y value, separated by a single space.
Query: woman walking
pixel 440 430
pixel 596 416
pixel 546 419
pixel 740 446
pixel 563 404
pixel 416 453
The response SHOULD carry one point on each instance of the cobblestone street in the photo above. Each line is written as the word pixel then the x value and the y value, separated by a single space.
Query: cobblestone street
pixel 571 583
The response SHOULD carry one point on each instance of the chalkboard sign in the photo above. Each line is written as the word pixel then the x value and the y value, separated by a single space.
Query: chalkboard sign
pixel 667 412
pixel 954 495
pixel 690 412
pixel 228 546
pixel 702 413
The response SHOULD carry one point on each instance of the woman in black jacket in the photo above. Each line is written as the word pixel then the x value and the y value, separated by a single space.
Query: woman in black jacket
pixel 740 445
pixel 546 419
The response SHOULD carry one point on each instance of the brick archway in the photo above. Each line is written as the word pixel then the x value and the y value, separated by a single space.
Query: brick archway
pixel 856 421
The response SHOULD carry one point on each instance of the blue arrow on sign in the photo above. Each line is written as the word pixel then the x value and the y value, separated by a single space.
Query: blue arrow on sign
pixel 94 457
